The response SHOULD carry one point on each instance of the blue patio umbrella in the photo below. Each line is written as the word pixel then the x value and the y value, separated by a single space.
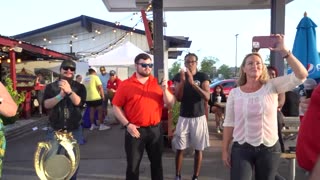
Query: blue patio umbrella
pixel 305 47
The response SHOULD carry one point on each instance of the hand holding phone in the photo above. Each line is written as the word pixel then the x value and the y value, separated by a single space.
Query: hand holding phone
pixel 259 42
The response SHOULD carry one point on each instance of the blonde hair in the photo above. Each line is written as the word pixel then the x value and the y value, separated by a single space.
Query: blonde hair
pixel 243 78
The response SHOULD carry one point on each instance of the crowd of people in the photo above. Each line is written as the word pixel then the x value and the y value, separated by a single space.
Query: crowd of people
pixel 252 119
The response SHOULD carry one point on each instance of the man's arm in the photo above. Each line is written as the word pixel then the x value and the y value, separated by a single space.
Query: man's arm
pixel 316 171
pixel 204 90
pixel 179 86
pixel 131 128
pixel 8 107
pixel 100 89
pixel 168 98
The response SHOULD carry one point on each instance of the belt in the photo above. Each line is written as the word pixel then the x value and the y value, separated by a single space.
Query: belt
pixel 151 126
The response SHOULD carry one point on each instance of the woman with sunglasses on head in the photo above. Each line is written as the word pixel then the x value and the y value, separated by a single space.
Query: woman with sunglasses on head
pixel 251 116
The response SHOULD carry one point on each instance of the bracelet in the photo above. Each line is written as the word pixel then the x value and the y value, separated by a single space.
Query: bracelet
pixel 69 94
pixel 59 97
pixel 287 55
pixel 127 125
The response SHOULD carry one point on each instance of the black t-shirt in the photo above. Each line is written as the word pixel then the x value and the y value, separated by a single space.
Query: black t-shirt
pixel 291 104
pixel 192 105
pixel 65 115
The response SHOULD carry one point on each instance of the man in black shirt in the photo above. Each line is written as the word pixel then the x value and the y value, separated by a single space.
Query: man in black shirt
pixel 64 99
pixel 192 90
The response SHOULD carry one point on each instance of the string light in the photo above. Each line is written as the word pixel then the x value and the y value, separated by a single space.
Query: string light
pixel 18 60
pixel 112 45
pixel 8 60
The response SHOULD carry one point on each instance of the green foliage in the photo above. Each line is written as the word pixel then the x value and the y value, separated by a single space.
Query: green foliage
pixel 225 71
pixel 267 61
pixel 18 99
pixel 174 69
pixel 207 65
pixel 175 111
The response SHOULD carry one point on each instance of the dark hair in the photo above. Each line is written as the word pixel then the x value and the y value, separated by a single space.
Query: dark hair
pixel 215 89
pixel 78 75
pixel 191 54
pixel 272 68
pixel 91 71
pixel 143 56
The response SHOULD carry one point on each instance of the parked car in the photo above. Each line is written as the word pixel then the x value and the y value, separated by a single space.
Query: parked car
pixel 227 85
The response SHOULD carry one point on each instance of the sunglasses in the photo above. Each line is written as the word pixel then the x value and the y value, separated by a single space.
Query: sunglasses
pixel 144 65
pixel 190 62
pixel 71 68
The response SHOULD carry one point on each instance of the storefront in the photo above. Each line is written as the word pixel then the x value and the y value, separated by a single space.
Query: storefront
pixel 13 51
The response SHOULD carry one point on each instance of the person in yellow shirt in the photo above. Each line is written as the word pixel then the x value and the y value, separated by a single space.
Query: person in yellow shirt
pixel 95 98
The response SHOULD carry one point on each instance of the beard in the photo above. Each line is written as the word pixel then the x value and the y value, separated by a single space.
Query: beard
pixel 143 74
pixel 69 79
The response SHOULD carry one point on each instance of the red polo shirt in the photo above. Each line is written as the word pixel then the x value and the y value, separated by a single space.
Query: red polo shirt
pixel 308 146
pixel 113 84
pixel 142 103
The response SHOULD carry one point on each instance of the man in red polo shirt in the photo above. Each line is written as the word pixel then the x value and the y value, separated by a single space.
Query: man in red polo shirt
pixel 112 85
pixel 308 146
pixel 138 105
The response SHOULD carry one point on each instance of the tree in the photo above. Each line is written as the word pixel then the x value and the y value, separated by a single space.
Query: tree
pixel 225 71
pixel 207 65
pixel 174 69
pixel 267 61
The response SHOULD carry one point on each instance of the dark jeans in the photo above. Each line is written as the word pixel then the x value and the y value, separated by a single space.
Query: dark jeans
pixel 280 126
pixel 150 139
pixel 246 158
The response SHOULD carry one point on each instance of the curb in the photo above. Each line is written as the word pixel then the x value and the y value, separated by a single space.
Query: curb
pixel 23 127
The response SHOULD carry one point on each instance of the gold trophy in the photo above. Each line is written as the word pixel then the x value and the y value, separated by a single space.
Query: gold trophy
pixel 51 164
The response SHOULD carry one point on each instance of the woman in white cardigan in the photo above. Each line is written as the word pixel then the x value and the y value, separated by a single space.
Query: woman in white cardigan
pixel 251 116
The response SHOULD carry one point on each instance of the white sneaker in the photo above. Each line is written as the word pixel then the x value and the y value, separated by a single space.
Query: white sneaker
pixel 93 126
pixel 103 127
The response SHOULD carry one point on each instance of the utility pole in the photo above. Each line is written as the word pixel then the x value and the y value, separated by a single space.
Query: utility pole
pixel 236 58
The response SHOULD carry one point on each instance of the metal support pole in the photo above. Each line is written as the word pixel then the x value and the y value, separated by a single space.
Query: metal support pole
pixel 236 58
pixel 277 27
pixel 158 53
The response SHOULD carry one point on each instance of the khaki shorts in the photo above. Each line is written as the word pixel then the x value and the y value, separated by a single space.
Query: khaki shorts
pixel 191 132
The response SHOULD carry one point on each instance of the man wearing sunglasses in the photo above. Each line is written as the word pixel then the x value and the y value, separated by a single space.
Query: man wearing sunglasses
pixel 192 90
pixel 138 105
pixel 64 99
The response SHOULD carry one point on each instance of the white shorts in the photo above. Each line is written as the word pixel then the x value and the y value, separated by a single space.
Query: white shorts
pixel 191 132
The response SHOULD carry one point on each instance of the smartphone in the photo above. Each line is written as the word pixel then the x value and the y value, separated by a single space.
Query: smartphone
pixel 259 42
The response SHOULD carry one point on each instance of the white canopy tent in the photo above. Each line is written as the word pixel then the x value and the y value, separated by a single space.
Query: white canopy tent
pixel 121 56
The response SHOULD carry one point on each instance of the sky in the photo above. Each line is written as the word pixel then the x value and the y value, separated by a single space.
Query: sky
pixel 212 32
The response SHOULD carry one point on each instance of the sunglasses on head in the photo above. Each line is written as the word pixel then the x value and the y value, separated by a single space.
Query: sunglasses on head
pixel 71 68
pixel 144 65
